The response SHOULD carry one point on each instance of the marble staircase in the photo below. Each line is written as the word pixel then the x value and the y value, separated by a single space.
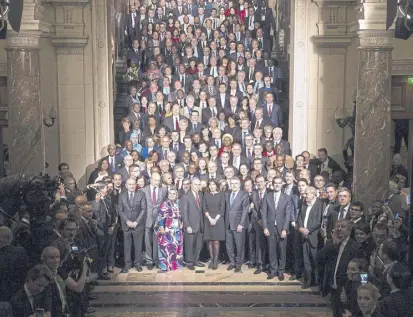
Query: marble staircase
pixel 207 292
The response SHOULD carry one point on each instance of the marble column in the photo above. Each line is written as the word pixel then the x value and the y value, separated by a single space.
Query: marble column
pixel 372 157
pixel 27 147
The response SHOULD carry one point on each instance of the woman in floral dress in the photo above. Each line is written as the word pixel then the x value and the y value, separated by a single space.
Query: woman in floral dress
pixel 168 229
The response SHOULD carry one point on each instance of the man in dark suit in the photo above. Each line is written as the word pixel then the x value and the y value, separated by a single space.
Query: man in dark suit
pixel 134 54
pixel 132 212
pixel 104 214
pixel 184 78
pixel 172 122
pixel 309 223
pixel 237 159
pixel 258 121
pixel 276 214
pixel 237 208
pixel 131 23
pixel 115 161
pixel 277 134
pixel 211 111
pixel 310 165
pixel 13 265
pixel 155 195
pixel 357 213
pixel 325 162
pixel 32 295
pixel 272 111
pixel 256 221
pixel 193 218
pixel 335 256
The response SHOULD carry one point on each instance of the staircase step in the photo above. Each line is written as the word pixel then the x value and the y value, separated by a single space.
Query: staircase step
pixel 212 299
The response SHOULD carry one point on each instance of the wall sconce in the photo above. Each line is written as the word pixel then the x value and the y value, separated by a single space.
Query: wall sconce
pixel 48 120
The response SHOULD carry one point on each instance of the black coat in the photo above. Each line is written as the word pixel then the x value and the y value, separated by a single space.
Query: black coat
pixel 327 257
pixel 134 210
pixel 313 222
pixel 13 267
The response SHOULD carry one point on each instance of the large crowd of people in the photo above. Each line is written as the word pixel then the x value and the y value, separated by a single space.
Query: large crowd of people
pixel 202 176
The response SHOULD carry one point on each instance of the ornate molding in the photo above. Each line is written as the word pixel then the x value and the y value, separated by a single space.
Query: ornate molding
pixel 376 39
pixel 330 45
pixel 402 67
pixel 70 50
pixel 326 50
pixel 69 45
pixel 23 40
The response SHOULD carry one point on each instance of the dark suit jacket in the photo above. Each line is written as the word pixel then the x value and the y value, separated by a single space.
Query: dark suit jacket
pixel 313 223
pixel 103 213
pixel 192 215
pixel 207 114
pixel 236 214
pixel 21 306
pixel 281 215
pixel 398 304
pixel 169 122
pixel 134 210
pixel 13 268
pixel 327 257
pixel 286 145
pixel 295 199
pixel 276 117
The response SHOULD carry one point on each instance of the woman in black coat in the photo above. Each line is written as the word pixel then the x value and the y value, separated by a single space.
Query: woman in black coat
pixel 214 228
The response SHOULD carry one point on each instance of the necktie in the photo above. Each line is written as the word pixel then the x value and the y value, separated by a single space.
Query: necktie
pixel 249 153
pixel 113 164
pixel 257 125
pixel 260 43
pixel 270 110
pixel 341 214
pixel 232 198
pixel 277 197
pixel 222 79
pixel 130 197
pixel 176 147
pixel 213 111
pixel 177 123
pixel 194 127
pixel 154 196
pixel 210 90
pixel 214 24
pixel 165 154
pixel 198 201
pixel 260 196
pixel 243 138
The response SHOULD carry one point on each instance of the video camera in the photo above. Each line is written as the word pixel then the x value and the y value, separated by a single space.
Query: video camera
pixel 80 255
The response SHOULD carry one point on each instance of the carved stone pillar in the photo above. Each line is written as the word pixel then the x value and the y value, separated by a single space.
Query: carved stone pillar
pixel 27 147
pixel 299 76
pixel 372 156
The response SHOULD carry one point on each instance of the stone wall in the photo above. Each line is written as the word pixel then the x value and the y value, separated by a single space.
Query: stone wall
pixel 324 70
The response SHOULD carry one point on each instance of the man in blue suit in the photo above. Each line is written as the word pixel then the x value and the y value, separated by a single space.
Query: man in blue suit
pixel 272 110
pixel 276 213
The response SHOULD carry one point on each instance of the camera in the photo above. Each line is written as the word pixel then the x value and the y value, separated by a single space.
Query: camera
pixel 80 255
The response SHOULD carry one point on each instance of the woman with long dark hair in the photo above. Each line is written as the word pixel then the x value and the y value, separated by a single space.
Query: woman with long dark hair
pixel 214 228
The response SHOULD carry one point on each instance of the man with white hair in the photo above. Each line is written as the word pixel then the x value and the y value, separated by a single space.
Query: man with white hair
pixel 124 171
pixel 13 263
pixel 277 134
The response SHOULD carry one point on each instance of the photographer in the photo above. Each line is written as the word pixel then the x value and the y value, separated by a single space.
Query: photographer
pixel 62 278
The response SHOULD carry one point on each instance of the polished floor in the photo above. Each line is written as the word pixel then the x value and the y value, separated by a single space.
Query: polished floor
pixel 205 293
